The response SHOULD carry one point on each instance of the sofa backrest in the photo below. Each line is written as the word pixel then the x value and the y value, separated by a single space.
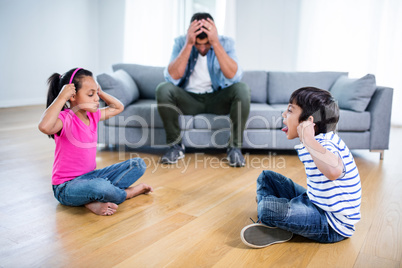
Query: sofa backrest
pixel 258 82
pixel 282 84
pixel 266 87
pixel 147 78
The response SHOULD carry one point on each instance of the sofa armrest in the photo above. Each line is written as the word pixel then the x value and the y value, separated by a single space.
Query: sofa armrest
pixel 380 108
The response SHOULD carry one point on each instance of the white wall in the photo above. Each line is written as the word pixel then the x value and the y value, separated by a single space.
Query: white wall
pixel 267 34
pixel 41 37
pixel 45 36
pixel 111 33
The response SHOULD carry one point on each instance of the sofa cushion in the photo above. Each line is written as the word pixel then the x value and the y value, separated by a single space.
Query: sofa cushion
pixel 282 84
pixel 147 78
pixel 258 82
pixel 262 116
pixel 353 121
pixel 120 85
pixel 354 94
pixel 144 113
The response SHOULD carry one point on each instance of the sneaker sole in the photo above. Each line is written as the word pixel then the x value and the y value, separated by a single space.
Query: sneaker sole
pixel 235 164
pixel 167 161
pixel 259 236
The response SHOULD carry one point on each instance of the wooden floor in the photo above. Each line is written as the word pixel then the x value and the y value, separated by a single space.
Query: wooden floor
pixel 193 218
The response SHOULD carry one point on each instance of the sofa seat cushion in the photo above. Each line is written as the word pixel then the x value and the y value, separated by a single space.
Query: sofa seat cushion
pixel 348 120
pixel 262 116
pixel 282 84
pixel 353 121
pixel 144 113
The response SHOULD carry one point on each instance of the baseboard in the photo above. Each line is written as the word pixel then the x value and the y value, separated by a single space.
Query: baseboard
pixel 24 102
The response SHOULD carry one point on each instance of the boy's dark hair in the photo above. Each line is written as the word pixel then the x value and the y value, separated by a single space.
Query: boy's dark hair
pixel 57 81
pixel 318 103
pixel 200 16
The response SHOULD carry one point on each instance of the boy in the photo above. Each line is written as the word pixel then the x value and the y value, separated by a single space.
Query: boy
pixel 329 208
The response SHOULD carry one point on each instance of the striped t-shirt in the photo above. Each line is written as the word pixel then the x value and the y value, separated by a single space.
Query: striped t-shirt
pixel 340 198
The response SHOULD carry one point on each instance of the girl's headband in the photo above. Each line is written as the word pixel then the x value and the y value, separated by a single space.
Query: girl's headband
pixel 72 76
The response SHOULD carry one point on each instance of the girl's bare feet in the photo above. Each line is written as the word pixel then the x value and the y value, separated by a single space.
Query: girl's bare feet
pixel 141 188
pixel 103 209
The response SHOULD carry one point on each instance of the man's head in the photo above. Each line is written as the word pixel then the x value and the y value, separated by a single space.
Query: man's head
pixel 318 104
pixel 201 16
pixel 201 42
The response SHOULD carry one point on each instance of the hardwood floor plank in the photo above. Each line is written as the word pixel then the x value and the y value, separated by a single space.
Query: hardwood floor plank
pixel 369 261
pixel 133 242
pixel 180 243
pixel 385 237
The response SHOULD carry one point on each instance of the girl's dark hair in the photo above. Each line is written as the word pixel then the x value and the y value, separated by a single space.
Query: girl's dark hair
pixel 318 103
pixel 57 81
pixel 200 16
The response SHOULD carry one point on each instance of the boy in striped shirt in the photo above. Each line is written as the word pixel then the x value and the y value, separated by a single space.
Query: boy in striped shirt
pixel 329 208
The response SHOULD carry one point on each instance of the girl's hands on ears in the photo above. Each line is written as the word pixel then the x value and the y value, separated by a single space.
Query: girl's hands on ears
pixel 67 92
pixel 100 91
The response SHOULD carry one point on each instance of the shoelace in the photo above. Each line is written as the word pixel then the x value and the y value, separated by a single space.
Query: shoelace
pixel 255 221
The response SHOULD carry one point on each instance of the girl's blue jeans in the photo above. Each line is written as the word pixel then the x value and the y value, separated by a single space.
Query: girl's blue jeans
pixel 285 204
pixel 102 185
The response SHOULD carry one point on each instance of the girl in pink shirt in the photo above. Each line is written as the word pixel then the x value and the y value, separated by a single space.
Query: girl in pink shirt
pixel 75 180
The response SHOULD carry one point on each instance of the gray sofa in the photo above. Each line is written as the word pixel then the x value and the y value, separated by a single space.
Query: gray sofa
pixel 364 117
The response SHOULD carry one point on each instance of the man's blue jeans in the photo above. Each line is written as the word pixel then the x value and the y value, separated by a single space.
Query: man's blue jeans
pixel 102 185
pixel 285 204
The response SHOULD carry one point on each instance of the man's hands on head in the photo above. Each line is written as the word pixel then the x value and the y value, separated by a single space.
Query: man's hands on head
pixel 198 26
pixel 192 32
pixel 210 30
pixel 177 67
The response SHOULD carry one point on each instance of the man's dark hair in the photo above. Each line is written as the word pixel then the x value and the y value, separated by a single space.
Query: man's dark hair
pixel 318 103
pixel 200 16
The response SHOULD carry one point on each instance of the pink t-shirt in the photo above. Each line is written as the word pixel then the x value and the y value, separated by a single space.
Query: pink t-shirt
pixel 75 152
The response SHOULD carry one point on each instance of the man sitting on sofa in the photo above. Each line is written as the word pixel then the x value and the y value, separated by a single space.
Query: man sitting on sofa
pixel 203 77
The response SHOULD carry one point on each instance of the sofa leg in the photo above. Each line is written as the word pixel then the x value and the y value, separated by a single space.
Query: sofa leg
pixel 379 151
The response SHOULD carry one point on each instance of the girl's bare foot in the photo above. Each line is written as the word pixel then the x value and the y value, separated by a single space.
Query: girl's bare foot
pixel 103 209
pixel 141 188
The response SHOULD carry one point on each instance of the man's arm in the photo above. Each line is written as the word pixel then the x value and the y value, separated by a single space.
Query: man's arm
pixel 227 64
pixel 177 67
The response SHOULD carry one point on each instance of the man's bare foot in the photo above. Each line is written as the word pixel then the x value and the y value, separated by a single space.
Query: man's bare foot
pixel 141 188
pixel 103 209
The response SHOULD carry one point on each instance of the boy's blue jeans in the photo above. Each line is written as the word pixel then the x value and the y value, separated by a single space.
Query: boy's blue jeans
pixel 102 185
pixel 285 204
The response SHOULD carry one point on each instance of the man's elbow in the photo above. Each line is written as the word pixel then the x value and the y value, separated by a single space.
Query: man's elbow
pixel 232 73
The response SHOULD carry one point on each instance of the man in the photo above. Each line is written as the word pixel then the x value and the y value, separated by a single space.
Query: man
pixel 203 77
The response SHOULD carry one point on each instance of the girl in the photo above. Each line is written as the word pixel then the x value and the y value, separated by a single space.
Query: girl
pixel 74 129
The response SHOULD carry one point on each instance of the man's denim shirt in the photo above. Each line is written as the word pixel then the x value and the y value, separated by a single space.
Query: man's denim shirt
pixel 219 81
